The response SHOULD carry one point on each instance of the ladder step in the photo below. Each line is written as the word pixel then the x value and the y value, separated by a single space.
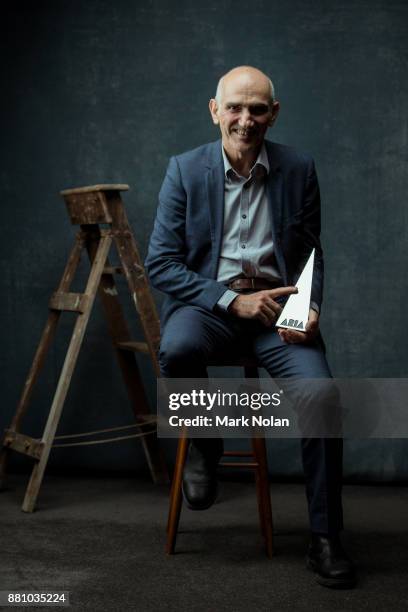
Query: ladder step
pixel 73 302
pixel 23 444
pixel 136 347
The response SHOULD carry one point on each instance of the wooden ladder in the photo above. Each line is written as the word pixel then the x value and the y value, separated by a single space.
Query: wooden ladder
pixel 89 207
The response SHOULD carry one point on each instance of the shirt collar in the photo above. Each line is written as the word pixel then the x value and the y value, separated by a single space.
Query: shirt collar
pixel 261 160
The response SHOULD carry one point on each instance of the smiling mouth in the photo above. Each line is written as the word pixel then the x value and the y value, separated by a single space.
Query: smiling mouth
pixel 243 133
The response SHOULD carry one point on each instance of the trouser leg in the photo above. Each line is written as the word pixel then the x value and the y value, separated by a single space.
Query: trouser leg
pixel 322 464
pixel 190 339
pixel 321 457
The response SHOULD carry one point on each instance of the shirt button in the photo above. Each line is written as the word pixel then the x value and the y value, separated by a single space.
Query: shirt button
pixel 243 246
pixel 244 216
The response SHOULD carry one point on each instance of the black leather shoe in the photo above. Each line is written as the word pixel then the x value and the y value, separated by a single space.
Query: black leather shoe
pixel 330 563
pixel 199 476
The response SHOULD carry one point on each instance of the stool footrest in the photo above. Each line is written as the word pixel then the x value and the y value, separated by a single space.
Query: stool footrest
pixel 239 464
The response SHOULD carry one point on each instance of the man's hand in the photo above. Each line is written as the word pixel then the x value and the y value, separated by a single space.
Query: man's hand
pixel 291 336
pixel 260 305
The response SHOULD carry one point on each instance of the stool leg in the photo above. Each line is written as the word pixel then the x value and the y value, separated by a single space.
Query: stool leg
pixel 263 494
pixel 258 487
pixel 176 495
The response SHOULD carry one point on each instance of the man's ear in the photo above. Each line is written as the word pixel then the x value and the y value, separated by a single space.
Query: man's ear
pixel 213 106
pixel 274 113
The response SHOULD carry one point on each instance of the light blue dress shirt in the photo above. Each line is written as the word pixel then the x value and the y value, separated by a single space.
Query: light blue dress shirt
pixel 247 244
pixel 247 249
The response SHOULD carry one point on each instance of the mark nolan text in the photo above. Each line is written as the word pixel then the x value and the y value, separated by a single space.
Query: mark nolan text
pixel 254 421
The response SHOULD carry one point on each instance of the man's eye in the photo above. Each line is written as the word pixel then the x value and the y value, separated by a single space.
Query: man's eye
pixel 260 109
pixel 234 108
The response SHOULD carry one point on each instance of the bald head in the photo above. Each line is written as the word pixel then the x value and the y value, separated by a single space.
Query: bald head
pixel 244 108
pixel 245 76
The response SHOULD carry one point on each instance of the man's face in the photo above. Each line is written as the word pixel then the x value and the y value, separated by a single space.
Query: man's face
pixel 244 113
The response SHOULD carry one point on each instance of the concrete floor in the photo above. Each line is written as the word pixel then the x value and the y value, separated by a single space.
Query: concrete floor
pixel 102 539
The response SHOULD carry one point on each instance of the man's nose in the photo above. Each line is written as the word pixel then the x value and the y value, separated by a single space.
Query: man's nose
pixel 245 118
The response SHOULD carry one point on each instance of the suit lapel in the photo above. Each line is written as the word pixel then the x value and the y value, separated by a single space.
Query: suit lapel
pixel 274 188
pixel 215 194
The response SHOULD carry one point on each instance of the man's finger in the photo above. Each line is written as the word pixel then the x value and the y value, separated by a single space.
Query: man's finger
pixel 311 326
pixel 277 309
pixel 282 335
pixel 292 336
pixel 269 313
pixel 282 291
pixel 264 319
pixel 296 337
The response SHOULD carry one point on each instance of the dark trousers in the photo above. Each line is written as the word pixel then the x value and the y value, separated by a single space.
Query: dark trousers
pixel 193 336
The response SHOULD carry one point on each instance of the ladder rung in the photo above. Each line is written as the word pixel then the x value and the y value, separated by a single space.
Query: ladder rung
pixel 74 302
pixel 137 347
pixel 23 444
pixel 113 270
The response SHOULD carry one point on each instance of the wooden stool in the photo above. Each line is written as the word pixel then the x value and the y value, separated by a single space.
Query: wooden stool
pixel 257 461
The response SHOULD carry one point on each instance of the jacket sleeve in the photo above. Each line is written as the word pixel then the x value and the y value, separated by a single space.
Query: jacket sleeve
pixel 311 233
pixel 165 262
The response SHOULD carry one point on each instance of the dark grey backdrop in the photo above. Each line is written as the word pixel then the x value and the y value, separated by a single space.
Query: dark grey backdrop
pixel 102 91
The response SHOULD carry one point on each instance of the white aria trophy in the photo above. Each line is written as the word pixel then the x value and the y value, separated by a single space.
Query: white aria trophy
pixel 296 311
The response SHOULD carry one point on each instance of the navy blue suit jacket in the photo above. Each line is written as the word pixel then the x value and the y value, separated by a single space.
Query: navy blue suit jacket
pixel 184 247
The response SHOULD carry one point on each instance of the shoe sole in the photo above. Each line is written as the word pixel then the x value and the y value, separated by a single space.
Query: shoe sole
pixel 192 507
pixel 331 583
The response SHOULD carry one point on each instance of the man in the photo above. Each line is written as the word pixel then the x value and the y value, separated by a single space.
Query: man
pixel 236 222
